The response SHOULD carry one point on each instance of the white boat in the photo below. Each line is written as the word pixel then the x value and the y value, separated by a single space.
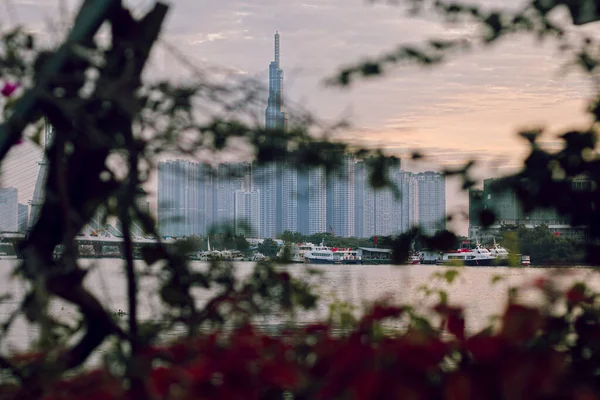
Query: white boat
pixel 499 252
pixel 296 251
pixel 327 255
pixel 346 255
pixel 474 257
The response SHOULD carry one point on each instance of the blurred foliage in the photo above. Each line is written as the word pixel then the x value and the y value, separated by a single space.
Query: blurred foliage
pixel 544 246
pixel 110 126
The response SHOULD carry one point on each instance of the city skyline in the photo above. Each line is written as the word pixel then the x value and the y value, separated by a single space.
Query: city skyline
pixel 343 203
pixel 443 112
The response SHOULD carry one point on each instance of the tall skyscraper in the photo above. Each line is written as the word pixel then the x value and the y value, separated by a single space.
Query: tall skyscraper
pixel 340 199
pixel 278 182
pixel 432 201
pixel 23 218
pixel 275 114
pixel 9 201
pixel 185 194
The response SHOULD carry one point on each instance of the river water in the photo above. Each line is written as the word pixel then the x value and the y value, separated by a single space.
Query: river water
pixel 356 285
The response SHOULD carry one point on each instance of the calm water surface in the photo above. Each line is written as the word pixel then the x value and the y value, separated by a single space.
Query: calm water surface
pixel 354 284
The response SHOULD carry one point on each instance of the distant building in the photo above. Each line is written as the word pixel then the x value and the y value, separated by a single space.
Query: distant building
pixel 476 206
pixel 287 215
pixel 247 212
pixel 409 203
pixel 508 211
pixel 9 201
pixel 23 218
pixel 317 201
pixel 432 201
pixel 312 201
pixel 229 179
pixel 340 199
pixel 360 184
pixel 185 195
pixel 264 180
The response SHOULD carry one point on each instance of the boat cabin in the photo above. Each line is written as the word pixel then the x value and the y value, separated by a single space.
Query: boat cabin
pixel 373 255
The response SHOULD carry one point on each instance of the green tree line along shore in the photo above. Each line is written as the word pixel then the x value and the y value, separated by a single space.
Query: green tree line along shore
pixel 543 246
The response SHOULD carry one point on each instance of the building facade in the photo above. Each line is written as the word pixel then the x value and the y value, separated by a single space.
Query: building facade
pixel 409 201
pixel 508 212
pixel 23 218
pixel 340 199
pixel 247 212
pixel 432 201
pixel 185 198
pixel 230 178
pixel 9 200
pixel 264 180
pixel 317 201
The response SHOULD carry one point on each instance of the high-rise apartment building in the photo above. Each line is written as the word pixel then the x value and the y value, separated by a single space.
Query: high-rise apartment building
pixel 340 199
pixel 432 201
pixel 317 201
pixel 287 215
pixel 409 203
pixel 264 180
pixel 23 218
pixel 312 201
pixel 247 212
pixel 359 188
pixel 230 178
pixel 378 211
pixel 9 201
pixel 185 198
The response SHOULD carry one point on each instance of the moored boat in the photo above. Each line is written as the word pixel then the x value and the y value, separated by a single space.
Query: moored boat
pixel 472 257
pixel 326 255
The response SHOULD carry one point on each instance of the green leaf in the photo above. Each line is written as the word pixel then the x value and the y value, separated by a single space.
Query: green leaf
pixel 450 275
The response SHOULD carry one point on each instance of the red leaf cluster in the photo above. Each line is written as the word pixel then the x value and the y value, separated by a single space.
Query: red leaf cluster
pixel 521 360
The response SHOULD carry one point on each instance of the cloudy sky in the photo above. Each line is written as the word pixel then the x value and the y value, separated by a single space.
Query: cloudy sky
pixel 469 108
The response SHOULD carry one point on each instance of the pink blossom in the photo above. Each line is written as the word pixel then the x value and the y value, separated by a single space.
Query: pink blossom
pixel 9 89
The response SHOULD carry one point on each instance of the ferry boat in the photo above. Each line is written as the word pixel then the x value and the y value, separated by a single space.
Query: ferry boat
pixel 473 257
pixel 327 255
pixel 503 256
pixel 499 252
pixel 296 251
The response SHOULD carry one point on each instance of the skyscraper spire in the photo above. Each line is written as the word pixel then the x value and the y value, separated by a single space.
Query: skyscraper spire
pixel 277 48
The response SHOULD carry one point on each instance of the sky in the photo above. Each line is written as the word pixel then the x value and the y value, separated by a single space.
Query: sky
pixel 469 108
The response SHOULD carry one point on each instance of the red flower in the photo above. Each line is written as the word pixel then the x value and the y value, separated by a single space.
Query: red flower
pixel 8 89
